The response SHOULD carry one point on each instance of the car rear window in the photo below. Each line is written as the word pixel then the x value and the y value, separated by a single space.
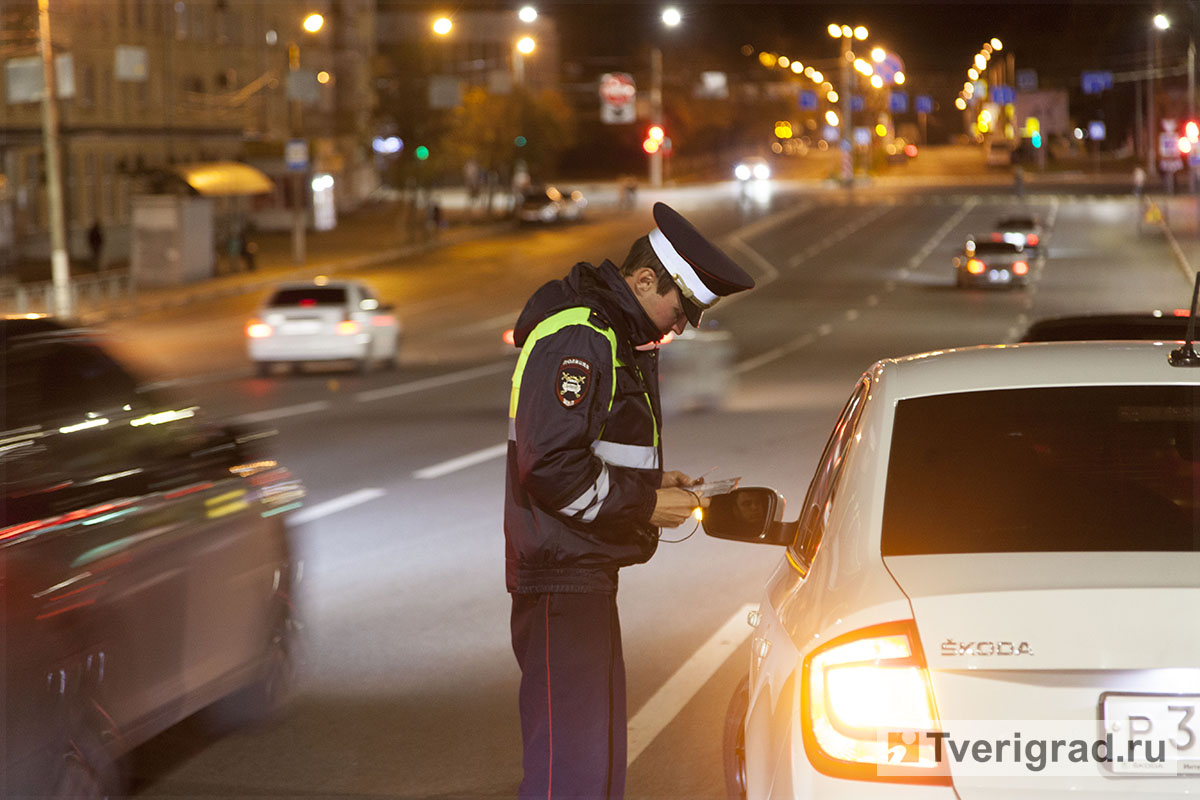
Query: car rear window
pixel 1077 469
pixel 1016 223
pixel 315 296
pixel 996 247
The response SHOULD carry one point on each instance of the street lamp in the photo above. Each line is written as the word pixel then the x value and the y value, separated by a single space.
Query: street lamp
pixel 442 26
pixel 527 14
pixel 846 34
pixel 523 47
pixel 312 24
pixel 670 18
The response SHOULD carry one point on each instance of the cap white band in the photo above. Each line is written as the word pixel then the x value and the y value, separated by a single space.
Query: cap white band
pixel 678 266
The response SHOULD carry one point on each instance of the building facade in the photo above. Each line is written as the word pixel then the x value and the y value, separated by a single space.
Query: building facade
pixel 145 85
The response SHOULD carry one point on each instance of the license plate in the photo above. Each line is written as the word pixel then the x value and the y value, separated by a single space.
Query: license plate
pixel 301 327
pixel 999 276
pixel 1153 734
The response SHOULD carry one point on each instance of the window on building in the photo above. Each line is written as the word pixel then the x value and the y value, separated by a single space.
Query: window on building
pixel 85 92
pixel 181 20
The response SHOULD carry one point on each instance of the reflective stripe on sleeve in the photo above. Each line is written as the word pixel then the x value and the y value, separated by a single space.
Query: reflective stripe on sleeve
pixel 587 505
pixel 634 456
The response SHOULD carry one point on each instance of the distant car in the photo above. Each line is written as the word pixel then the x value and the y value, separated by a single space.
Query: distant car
pixel 993 264
pixel 753 168
pixel 147 570
pixel 321 321
pixel 899 151
pixel 545 205
pixel 1024 230
pixel 984 555
pixel 1151 325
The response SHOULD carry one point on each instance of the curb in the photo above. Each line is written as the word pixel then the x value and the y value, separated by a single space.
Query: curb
pixel 184 297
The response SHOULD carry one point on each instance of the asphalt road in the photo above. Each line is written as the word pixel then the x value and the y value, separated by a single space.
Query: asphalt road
pixel 410 685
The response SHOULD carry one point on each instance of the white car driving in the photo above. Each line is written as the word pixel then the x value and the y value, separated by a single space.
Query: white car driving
pixel 1000 550
pixel 323 320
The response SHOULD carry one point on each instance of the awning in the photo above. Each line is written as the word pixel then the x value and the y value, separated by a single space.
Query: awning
pixel 225 178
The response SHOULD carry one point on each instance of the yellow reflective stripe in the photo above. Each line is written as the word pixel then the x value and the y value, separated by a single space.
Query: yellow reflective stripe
pixel 580 315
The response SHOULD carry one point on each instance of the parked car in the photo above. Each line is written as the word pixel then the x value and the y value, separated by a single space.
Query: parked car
pixel 991 264
pixel 145 565
pixel 1024 230
pixel 993 545
pixel 321 321
pixel 1153 325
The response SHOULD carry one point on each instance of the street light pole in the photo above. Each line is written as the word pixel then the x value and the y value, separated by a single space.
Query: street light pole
pixel 299 197
pixel 656 114
pixel 844 124
pixel 60 267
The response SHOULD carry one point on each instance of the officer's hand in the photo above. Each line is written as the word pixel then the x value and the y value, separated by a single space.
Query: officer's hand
pixel 676 478
pixel 673 506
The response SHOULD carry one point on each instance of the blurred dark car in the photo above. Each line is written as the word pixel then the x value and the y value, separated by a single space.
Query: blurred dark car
pixel 992 264
pixel 145 567
pixel 1151 325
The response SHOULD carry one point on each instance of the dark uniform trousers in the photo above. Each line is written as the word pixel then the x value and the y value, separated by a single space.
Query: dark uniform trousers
pixel 572 695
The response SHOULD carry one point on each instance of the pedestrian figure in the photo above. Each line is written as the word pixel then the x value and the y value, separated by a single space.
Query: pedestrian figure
pixel 586 492
pixel 249 248
pixel 95 238
pixel 628 193
pixel 1139 180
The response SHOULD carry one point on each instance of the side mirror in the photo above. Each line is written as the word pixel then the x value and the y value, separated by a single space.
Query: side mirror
pixel 751 514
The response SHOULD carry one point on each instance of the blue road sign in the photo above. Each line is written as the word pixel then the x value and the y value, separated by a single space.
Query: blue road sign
pixel 1027 80
pixel 1096 81
pixel 924 104
pixel 808 100
pixel 856 102
pixel 1097 130
pixel 898 102
pixel 1003 95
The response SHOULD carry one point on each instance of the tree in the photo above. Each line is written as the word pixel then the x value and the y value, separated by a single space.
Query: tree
pixel 497 130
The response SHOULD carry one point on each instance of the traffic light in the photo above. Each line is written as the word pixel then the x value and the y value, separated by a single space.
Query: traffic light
pixel 1192 131
pixel 422 153
pixel 1185 145
pixel 654 139
pixel 1037 139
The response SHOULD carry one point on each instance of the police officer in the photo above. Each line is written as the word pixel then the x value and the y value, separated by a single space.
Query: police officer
pixel 586 492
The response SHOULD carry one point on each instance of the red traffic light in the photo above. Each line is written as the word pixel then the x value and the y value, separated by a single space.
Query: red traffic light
pixel 651 146
pixel 655 133
pixel 1192 131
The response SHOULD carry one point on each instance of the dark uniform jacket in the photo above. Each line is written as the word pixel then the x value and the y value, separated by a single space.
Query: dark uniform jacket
pixel 584 455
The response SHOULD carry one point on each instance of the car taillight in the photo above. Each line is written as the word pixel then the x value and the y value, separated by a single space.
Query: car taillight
pixel 975 266
pixel 1031 240
pixel 509 337
pixel 258 330
pixel 1020 267
pixel 348 327
pixel 997 237
pixel 383 320
pixel 857 689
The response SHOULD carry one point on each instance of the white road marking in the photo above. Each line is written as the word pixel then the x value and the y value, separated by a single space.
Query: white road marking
pixel 432 383
pixel 462 462
pixel 335 505
pixel 680 688
pixel 255 417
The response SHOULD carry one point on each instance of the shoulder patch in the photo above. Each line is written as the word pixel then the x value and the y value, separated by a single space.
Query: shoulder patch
pixel 573 381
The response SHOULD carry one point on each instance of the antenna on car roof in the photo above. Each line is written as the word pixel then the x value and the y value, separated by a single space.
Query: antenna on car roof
pixel 1185 354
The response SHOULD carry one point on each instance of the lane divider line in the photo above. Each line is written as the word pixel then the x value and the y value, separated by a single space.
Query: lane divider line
pixel 335 505
pixel 462 462
pixel 671 698
pixel 255 417
pixel 432 383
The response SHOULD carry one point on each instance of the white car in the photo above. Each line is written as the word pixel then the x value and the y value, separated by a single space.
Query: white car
pixel 323 320
pixel 1000 550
